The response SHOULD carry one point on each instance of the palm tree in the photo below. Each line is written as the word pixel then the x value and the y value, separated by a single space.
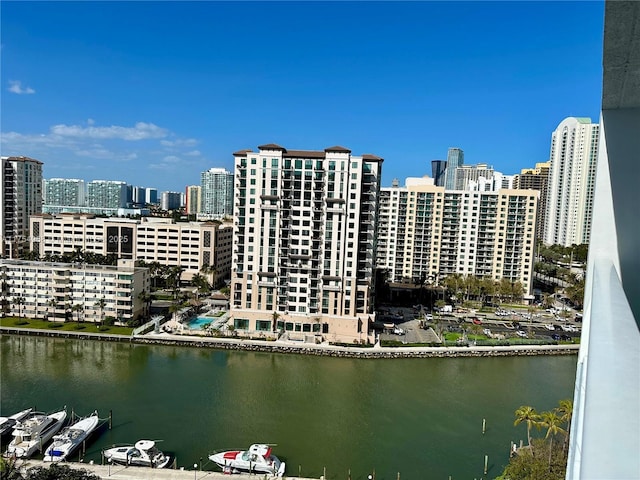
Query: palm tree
pixel 565 410
pixel 145 297
pixel 19 301
pixel 551 421
pixel 53 303
pixel 100 304
pixel 209 270
pixel 78 307
pixel 529 415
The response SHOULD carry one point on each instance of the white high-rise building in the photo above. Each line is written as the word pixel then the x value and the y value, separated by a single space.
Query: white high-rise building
pixel 304 242
pixel 426 233
pixel 574 149
pixel 106 194
pixel 21 196
pixel 216 194
pixel 63 192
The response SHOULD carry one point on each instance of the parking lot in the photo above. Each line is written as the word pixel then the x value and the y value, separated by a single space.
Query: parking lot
pixel 408 328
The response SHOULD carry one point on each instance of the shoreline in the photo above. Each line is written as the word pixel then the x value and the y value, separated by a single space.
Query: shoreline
pixel 291 347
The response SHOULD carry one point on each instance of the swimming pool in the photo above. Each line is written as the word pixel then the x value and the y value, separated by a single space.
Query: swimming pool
pixel 199 323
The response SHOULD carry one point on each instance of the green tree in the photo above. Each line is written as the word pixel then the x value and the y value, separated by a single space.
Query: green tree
pixel 565 410
pixel 19 302
pixel 551 421
pixel 100 304
pixel 528 415
pixel 59 472
pixel 52 303
pixel 77 308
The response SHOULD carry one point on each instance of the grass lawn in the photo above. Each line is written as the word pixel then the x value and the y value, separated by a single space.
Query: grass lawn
pixel 67 326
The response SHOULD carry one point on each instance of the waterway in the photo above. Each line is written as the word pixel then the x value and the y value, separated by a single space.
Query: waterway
pixel 421 418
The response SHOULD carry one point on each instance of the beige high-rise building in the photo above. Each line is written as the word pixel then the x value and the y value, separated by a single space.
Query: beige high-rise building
pixel 574 150
pixel 188 244
pixel 21 196
pixel 536 179
pixel 426 233
pixel 193 199
pixel 304 242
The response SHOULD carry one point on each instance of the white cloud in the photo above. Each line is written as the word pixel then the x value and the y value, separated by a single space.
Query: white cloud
pixel 180 142
pixel 193 153
pixel 141 131
pixel 15 86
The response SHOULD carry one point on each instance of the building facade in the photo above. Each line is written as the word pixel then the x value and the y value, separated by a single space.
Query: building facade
pixel 455 159
pixel 467 177
pixel 171 200
pixel 304 242
pixel 438 169
pixel 63 192
pixel 193 196
pixel 63 291
pixel 107 194
pixel 191 245
pixel 574 149
pixel 216 193
pixel 536 179
pixel 21 196
pixel 426 233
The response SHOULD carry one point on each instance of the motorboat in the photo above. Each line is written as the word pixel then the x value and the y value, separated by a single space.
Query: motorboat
pixel 70 438
pixel 8 423
pixel 143 454
pixel 257 459
pixel 34 431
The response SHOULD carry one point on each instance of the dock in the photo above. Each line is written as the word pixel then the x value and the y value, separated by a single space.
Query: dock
pixel 121 472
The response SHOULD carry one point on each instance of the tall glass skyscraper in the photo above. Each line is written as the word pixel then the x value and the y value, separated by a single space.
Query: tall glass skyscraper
pixel 438 169
pixel 455 159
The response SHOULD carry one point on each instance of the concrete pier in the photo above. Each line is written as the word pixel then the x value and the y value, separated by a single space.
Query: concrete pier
pixel 121 472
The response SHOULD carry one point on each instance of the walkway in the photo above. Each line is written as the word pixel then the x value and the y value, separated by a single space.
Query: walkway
pixel 120 472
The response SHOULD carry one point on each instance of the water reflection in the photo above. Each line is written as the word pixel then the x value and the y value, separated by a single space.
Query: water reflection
pixel 413 416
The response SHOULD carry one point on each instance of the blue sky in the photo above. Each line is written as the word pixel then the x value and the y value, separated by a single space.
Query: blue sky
pixel 153 93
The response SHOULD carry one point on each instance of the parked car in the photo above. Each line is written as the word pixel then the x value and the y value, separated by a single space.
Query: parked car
pixel 487 332
pixel 521 333
pixel 476 321
pixel 398 331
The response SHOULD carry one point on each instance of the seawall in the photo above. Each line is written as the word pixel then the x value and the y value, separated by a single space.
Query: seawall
pixel 289 347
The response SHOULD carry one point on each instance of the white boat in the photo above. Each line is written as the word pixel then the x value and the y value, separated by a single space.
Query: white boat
pixel 8 423
pixel 143 454
pixel 257 459
pixel 70 438
pixel 33 432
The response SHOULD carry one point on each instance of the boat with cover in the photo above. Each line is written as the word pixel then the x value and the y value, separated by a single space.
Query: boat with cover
pixel 144 454
pixel 8 423
pixel 258 459
pixel 70 438
pixel 34 431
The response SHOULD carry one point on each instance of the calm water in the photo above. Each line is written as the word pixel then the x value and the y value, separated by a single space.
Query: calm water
pixel 420 417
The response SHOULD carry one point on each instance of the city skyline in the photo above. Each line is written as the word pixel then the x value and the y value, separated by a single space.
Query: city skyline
pixel 95 91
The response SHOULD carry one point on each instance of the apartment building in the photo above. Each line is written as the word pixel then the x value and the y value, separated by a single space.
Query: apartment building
pixel 63 192
pixel 304 242
pixel 536 179
pixel 107 194
pixel 426 233
pixel 21 196
pixel 193 199
pixel 188 244
pixel 216 193
pixel 570 189
pixel 59 291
